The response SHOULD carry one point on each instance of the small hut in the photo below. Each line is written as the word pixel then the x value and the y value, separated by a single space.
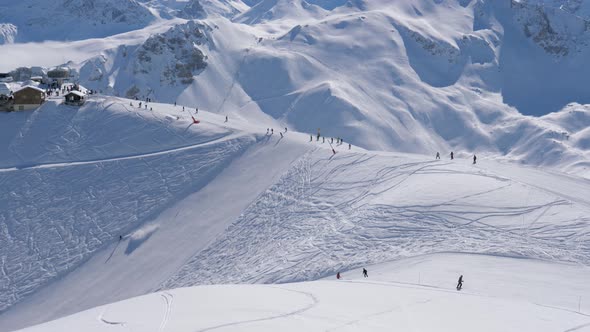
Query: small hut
pixel 74 98
pixel 28 98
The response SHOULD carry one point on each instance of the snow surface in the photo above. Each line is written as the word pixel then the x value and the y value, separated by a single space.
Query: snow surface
pixel 499 294
pixel 224 202
pixel 406 76
pixel 112 200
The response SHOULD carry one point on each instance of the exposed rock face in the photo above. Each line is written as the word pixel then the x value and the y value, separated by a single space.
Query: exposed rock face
pixel 174 54
pixel 8 33
pixel 193 9
pixel 557 29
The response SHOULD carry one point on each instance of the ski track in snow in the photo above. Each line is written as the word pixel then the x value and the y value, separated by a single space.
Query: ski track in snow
pixel 327 215
pixel 82 215
pixel 168 299
pixel 313 303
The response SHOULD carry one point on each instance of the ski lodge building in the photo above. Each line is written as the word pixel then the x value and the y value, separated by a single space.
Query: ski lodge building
pixel 75 98
pixel 28 98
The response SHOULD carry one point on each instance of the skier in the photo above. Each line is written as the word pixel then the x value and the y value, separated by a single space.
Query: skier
pixel 365 273
pixel 474 159
pixel 437 155
pixel 272 131
pixel 226 118
pixel 281 135
pixel 452 155
pixel 183 108
pixel 311 138
pixel 267 131
pixel 348 146
pixel 333 151
pixel 120 237
pixel 323 139
pixel 140 104
pixel 460 283
pixel 338 275
pixel 285 129
pixel 174 104
pixel 331 140
pixel 197 110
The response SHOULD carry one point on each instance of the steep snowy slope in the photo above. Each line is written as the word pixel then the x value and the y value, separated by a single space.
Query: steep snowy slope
pixel 413 294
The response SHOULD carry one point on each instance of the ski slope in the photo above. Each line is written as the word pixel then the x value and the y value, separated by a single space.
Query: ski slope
pixel 224 203
pixel 416 294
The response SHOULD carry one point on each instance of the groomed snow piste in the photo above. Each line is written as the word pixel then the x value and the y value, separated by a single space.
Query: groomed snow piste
pixel 416 294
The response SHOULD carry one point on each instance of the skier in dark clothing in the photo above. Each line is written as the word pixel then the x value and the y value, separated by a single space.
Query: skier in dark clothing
pixel 474 159
pixel 452 155
pixel 437 155
pixel 226 118
pixel 338 275
pixel 460 283
pixel 365 273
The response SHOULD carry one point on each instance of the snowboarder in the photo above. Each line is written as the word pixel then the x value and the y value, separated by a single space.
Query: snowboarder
pixel 437 155
pixel 474 159
pixel 452 155
pixel 338 276
pixel 460 283
pixel 365 273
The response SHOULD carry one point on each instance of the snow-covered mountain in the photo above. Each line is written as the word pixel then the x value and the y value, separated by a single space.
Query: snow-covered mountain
pixel 95 196
pixel 38 20
pixel 168 60
pixel 381 74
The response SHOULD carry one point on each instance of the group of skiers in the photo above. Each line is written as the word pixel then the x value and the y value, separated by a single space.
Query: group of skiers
pixel 366 275
pixel 339 141
pixel 453 157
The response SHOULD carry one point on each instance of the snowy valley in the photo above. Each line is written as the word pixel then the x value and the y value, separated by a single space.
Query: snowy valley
pixel 229 158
